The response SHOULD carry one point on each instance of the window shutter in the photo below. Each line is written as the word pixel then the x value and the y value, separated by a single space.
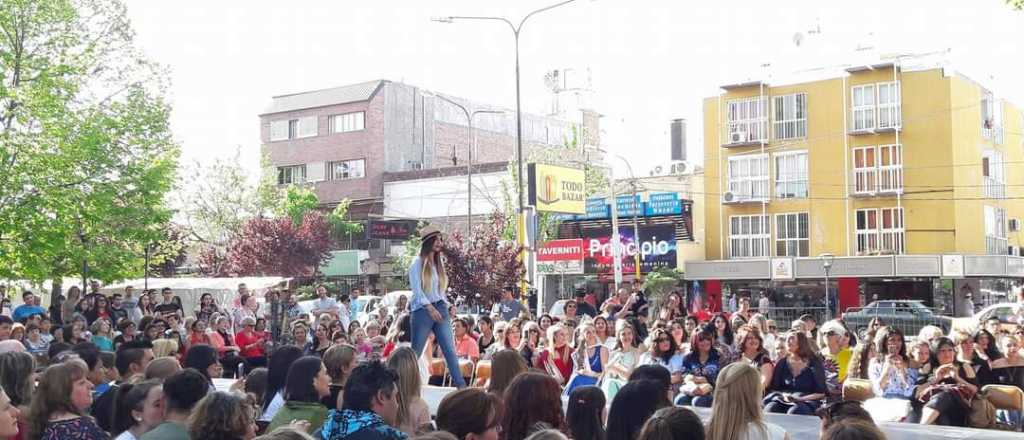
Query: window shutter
pixel 315 171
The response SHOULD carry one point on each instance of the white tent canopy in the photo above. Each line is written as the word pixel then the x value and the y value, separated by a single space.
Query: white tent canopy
pixel 224 290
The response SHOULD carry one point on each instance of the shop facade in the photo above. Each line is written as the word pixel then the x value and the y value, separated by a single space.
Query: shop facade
pixel 955 285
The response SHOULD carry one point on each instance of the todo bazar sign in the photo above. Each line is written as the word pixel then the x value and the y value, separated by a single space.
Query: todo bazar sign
pixel 558 257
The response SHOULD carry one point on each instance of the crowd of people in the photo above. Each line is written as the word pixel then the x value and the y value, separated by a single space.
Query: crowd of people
pixel 131 367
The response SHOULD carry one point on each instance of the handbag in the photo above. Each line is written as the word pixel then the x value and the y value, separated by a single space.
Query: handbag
pixel 983 412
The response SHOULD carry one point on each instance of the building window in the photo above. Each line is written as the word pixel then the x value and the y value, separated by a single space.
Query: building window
pixel 748 236
pixel 346 169
pixel 880 231
pixel 792 235
pixel 347 122
pixel 790 116
pixel 291 174
pixel 286 129
pixel 864 107
pixel 791 175
pixel 748 120
pixel 748 177
pixel 992 175
pixel 995 231
pixel 878 169
pixel 889 105
pixel 865 170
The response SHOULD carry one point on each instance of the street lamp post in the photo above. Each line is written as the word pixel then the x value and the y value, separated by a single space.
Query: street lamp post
pixel 516 30
pixel 636 225
pixel 826 264
pixel 469 163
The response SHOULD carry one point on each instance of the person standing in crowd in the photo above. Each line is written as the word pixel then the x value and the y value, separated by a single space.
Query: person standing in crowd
pixel 736 412
pixel 798 382
pixel 222 340
pixel 140 408
pixel 307 383
pixel 131 304
pixel 470 414
pixel 248 309
pixel 370 406
pixel 508 307
pixel 583 307
pixel 429 282
pixel 325 304
pixel 532 398
pixel 58 410
pixel 223 416
pixel 170 305
pixel 182 391
pixel 207 307
pixel 117 310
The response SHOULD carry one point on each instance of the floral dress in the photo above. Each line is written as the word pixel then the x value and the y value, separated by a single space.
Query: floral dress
pixel 81 428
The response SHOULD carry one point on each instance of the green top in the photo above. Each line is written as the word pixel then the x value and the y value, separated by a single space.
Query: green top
pixel 313 412
pixel 167 431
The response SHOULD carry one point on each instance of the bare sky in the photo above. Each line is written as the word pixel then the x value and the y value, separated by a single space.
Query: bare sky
pixel 651 61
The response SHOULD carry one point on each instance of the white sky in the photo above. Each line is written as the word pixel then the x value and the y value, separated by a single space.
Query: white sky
pixel 651 61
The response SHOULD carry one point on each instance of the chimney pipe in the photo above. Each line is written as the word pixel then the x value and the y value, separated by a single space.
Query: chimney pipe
pixel 677 130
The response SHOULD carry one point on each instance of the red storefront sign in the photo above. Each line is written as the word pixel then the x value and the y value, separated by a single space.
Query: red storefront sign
pixel 560 257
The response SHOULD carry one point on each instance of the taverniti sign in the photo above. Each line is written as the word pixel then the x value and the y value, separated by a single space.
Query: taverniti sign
pixel 560 257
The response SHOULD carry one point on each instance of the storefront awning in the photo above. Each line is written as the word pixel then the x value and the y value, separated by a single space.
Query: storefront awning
pixel 883 266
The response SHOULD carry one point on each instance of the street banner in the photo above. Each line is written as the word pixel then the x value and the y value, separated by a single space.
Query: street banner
pixel 560 257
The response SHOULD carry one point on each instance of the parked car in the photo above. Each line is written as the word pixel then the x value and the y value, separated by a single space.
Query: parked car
pixel 907 315
pixel 1006 312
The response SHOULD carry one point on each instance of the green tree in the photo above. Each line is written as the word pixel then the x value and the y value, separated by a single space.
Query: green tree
pixel 1016 4
pixel 87 155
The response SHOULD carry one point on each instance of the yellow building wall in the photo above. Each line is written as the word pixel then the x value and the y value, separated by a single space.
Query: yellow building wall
pixel 942 148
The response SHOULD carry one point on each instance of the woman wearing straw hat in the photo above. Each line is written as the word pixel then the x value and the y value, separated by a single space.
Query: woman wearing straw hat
pixel 429 306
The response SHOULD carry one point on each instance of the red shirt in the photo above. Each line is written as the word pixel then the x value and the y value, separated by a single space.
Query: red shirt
pixel 564 366
pixel 243 339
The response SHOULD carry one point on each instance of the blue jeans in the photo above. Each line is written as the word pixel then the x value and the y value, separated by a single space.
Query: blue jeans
pixel 421 324
pixel 701 401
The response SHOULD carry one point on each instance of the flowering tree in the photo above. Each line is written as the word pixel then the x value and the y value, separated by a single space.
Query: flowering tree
pixel 278 247
pixel 481 265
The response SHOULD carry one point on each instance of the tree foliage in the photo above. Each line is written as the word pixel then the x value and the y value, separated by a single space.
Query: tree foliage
pixel 87 155
pixel 277 246
pixel 1016 4
pixel 481 264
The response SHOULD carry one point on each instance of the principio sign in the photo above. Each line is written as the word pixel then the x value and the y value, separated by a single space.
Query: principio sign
pixel 657 248
pixel 558 257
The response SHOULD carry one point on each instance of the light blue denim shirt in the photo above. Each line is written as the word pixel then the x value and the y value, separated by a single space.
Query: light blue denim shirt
pixel 421 298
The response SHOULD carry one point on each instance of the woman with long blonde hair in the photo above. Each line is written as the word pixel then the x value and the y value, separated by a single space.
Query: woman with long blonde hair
pixel 429 305
pixel 413 413
pixel 736 412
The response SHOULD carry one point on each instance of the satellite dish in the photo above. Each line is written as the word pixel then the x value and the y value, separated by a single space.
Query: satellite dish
pixel 798 39
pixel 657 169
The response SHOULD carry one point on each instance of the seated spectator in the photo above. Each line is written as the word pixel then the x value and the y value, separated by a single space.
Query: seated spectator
pixel 736 413
pixel 664 352
pixel 589 358
pixel 944 385
pixel 182 391
pixel 835 353
pixel 130 363
pixel 632 406
pixel 505 366
pixel 673 423
pixel 890 372
pixel 751 349
pixel 546 434
pixel 557 358
pixel 17 372
pixel 532 398
pixel 58 409
pixel 162 367
pixel 340 359
pixel 307 383
pixel 840 411
pixel 286 433
pixel 625 357
pixel 585 413
pixel 798 382
pixel 465 346
pixel 277 374
pixel 700 369
pixel 920 353
pixel 140 408
pixel 370 406
pixel 470 414
pixel 853 430
pixel 203 358
pixel 413 413
pixel 223 415
pixel 34 341
pixel 10 424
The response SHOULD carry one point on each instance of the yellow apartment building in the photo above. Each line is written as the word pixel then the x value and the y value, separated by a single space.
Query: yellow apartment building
pixel 912 178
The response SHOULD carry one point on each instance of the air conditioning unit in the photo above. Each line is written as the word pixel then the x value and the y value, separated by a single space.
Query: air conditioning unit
pixel 738 137
pixel 1014 225
pixel 680 168
pixel 415 165
pixel 728 196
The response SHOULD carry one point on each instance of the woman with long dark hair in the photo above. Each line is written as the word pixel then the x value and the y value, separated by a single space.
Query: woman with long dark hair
pixel 429 305
pixel 139 408
pixel 306 384
pixel 532 398
pixel 798 382
pixel 277 374
pixel 945 385
pixel 700 369
pixel 585 414
pixel 890 373
pixel 664 352
pixel 203 358
pixel 207 307
pixel 470 414
pixel 633 405
pixel 506 365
